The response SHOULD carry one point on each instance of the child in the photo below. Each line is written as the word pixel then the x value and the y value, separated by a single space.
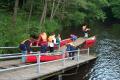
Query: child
pixel 25 46
pixel 51 46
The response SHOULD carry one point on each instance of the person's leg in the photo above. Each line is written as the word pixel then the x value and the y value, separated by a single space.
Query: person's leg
pixel 24 52
pixel 50 48
pixel 23 56
pixel 41 49
pixel 70 54
pixel 45 48
pixel 73 55
pixel 59 46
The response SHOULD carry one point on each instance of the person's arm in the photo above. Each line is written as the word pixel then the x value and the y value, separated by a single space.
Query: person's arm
pixel 88 29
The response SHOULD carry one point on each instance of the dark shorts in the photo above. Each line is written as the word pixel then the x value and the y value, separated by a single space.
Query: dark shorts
pixel 22 47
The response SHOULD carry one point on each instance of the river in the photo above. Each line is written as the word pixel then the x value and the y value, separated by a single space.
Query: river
pixel 107 64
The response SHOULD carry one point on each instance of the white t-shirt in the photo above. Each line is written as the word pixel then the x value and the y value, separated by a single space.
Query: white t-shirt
pixel 50 44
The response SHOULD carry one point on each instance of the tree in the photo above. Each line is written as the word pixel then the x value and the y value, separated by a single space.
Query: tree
pixel 15 12
pixel 115 6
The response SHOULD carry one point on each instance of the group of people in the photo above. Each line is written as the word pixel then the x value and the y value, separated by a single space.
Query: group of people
pixel 46 43
pixel 71 48
pixel 42 40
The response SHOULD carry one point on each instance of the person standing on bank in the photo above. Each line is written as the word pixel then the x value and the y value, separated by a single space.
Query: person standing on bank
pixel 85 31
pixel 25 46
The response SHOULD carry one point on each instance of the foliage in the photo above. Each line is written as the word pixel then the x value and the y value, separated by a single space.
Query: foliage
pixel 115 30
pixel 115 6
pixel 51 26
pixel 66 14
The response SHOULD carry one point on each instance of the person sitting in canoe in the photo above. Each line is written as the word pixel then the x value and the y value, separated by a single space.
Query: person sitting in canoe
pixel 25 46
pixel 85 31
pixel 71 50
pixel 42 41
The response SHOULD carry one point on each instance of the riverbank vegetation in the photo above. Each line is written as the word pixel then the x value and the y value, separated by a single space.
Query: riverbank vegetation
pixel 19 18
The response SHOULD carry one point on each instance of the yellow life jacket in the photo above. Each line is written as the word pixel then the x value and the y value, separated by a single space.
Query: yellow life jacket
pixel 50 38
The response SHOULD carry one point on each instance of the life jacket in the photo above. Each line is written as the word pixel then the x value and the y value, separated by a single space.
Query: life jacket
pixel 44 36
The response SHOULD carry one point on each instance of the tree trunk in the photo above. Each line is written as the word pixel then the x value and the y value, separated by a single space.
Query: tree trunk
pixel 15 12
pixel 30 13
pixel 42 20
pixel 53 14
pixel 45 12
pixel 53 7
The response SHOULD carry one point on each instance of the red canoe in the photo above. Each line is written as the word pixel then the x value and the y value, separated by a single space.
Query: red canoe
pixel 43 58
pixel 63 42
pixel 90 42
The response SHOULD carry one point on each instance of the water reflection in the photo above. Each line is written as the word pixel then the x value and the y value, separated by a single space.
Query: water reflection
pixel 107 66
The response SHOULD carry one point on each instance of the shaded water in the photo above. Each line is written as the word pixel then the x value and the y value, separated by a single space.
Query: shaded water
pixel 107 66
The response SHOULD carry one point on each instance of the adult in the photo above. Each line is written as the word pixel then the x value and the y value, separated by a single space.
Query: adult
pixel 85 31
pixel 71 50
pixel 25 46
pixel 42 41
